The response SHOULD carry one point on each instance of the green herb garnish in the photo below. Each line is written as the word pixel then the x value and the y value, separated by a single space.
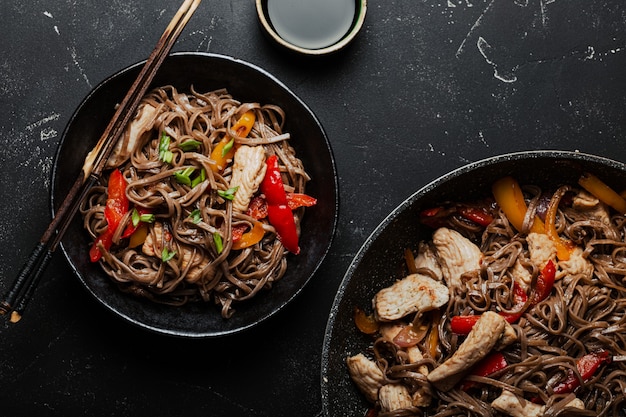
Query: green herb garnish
pixel 228 147
pixel 219 245
pixel 195 216
pixel 190 145
pixel 183 176
pixel 146 217
pixel 228 194
pixel 200 178
pixel 166 255
pixel 165 154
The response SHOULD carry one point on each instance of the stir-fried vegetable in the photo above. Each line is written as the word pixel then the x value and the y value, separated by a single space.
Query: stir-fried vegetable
pixel 225 149
pixel 366 323
pixel 115 209
pixel 603 192
pixel 488 366
pixel 279 213
pixel 587 367
pixel 244 240
pixel 510 198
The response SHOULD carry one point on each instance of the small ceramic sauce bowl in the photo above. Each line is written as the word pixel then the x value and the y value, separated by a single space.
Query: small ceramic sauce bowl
pixel 311 27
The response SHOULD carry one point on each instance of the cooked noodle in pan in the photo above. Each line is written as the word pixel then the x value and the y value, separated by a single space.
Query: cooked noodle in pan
pixel 514 308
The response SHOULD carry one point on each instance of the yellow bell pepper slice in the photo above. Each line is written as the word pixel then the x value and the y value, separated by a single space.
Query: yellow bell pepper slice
pixel 509 197
pixel 138 236
pixel 251 237
pixel 225 149
pixel 563 248
pixel 602 192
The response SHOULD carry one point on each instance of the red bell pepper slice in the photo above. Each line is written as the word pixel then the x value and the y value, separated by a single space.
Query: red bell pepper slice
pixel 278 211
pixel 117 202
pixel 297 200
pixel 434 217
pixel 106 240
pixel 487 366
pixel 476 215
pixel 115 209
pixel 545 282
pixel 131 228
pixel 587 366
pixel 257 208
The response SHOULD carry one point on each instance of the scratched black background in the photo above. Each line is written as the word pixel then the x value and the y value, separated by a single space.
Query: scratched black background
pixel 428 86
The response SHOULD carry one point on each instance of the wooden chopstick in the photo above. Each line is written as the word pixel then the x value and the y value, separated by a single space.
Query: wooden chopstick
pixel 20 293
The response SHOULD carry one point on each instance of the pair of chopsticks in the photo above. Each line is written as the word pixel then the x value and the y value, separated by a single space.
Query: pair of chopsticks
pixel 20 293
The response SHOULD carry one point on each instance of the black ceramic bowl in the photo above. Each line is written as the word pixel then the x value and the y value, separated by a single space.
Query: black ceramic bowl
pixel 380 260
pixel 246 83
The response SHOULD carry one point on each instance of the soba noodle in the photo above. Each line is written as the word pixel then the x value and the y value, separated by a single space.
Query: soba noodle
pixel 195 222
pixel 583 314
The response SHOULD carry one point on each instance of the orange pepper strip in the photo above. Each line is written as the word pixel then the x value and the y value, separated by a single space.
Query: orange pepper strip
pixel 433 336
pixel 138 236
pixel 251 237
pixel 602 192
pixel 509 197
pixel 563 249
pixel 366 323
pixel 219 154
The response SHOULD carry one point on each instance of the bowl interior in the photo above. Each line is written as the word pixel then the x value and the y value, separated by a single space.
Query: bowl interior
pixel 380 260
pixel 247 83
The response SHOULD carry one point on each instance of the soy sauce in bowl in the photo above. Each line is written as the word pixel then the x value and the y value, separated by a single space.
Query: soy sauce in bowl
pixel 312 27
pixel 311 24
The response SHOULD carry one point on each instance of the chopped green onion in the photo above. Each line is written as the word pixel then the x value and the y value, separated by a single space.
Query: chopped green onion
pixel 165 154
pixel 219 245
pixel 166 255
pixel 228 194
pixel 146 217
pixel 228 147
pixel 195 216
pixel 135 217
pixel 183 176
pixel 190 145
pixel 200 178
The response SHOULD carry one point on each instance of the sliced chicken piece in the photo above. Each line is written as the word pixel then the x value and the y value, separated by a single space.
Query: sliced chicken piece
pixel 541 249
pixel 153 246
pixel 394 397
pixel 522 275
pixel 134 135
pixel 390 330
pixel 366 375
pixel 576 264
pixel 584 201
pixel 198 263
pixel 577 403
pixel 509 336
pixel 457 255
pixel 414 293
pixel 248 172
pixel 427 259
pixel 515 406
pixel 485 335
